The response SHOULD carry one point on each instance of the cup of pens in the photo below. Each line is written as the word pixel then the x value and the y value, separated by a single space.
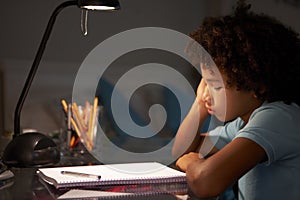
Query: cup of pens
pixel 81 126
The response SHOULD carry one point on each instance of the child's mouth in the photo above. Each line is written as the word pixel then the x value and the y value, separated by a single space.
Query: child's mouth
pixel 210 111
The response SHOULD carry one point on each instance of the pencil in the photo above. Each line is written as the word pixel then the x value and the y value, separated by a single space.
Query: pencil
pixel 65 105
pixel 93 116
pixel 77 118
pixel 87 112
pixel 72 142
pixel 76 111
pixel 90 121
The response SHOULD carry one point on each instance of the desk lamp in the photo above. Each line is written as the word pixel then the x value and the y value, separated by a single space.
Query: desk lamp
pixel 36 149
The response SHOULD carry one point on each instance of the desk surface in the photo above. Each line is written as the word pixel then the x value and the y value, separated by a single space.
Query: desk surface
pixel 26 184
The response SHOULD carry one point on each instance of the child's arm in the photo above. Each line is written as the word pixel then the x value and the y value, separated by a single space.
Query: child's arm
pixel 188 135
pixel 210 177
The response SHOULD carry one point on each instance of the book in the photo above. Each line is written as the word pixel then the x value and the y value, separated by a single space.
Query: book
pixel 92 194
pixel 137 191
pixel 110 174
pixel 78 194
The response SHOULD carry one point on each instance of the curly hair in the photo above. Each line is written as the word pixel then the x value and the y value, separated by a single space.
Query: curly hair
pixel 255 52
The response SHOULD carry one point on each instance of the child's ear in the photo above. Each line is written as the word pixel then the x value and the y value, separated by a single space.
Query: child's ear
pixel 254 95
pixel 260 92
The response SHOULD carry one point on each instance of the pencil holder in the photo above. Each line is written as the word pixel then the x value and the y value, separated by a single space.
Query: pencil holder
pixel 81 125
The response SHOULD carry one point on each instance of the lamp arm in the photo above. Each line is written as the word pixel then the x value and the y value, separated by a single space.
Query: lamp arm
pixel 34 67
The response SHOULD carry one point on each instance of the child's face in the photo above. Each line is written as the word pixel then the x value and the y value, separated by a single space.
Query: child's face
pixel 226 103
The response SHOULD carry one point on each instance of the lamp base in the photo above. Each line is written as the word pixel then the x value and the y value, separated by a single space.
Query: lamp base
pixel 31 150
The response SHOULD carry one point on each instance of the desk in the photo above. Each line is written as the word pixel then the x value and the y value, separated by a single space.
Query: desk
pixel 28 186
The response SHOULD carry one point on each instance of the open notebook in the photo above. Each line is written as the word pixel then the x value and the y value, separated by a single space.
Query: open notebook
pixel 112 174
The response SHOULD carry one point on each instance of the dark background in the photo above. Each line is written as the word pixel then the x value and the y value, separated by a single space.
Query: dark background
pixel 23 23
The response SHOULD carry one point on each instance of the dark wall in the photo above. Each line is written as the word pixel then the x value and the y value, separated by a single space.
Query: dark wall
pixel 23 23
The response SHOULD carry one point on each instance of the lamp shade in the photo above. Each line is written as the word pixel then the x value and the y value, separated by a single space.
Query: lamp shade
pixel 99 4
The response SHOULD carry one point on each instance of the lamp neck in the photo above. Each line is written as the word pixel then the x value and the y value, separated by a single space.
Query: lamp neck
pixel 34 67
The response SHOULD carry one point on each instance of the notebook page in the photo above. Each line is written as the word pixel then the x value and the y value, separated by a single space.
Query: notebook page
pixel 113 174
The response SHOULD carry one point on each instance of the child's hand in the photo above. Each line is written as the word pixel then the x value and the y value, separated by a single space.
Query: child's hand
pixel 184 161
pixel 203 97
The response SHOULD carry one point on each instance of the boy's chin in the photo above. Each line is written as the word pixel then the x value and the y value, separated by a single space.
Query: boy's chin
pixel 222 118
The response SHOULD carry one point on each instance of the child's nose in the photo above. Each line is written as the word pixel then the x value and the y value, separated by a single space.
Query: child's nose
pixel 206 96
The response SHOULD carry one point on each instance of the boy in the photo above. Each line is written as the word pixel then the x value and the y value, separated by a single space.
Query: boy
pixel 252 88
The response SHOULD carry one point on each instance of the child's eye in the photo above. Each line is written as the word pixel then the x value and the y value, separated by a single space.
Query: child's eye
pixel 217 88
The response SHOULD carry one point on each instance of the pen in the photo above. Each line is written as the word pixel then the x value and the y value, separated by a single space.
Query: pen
pixel 78 174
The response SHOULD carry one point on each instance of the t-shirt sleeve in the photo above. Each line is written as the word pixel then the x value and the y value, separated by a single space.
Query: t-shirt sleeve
pixel 222 135
pixel 270 128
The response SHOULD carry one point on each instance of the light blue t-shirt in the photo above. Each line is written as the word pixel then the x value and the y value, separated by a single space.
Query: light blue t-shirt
pixel 276 128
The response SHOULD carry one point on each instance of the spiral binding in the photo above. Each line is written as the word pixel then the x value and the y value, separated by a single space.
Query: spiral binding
pixel 138 180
